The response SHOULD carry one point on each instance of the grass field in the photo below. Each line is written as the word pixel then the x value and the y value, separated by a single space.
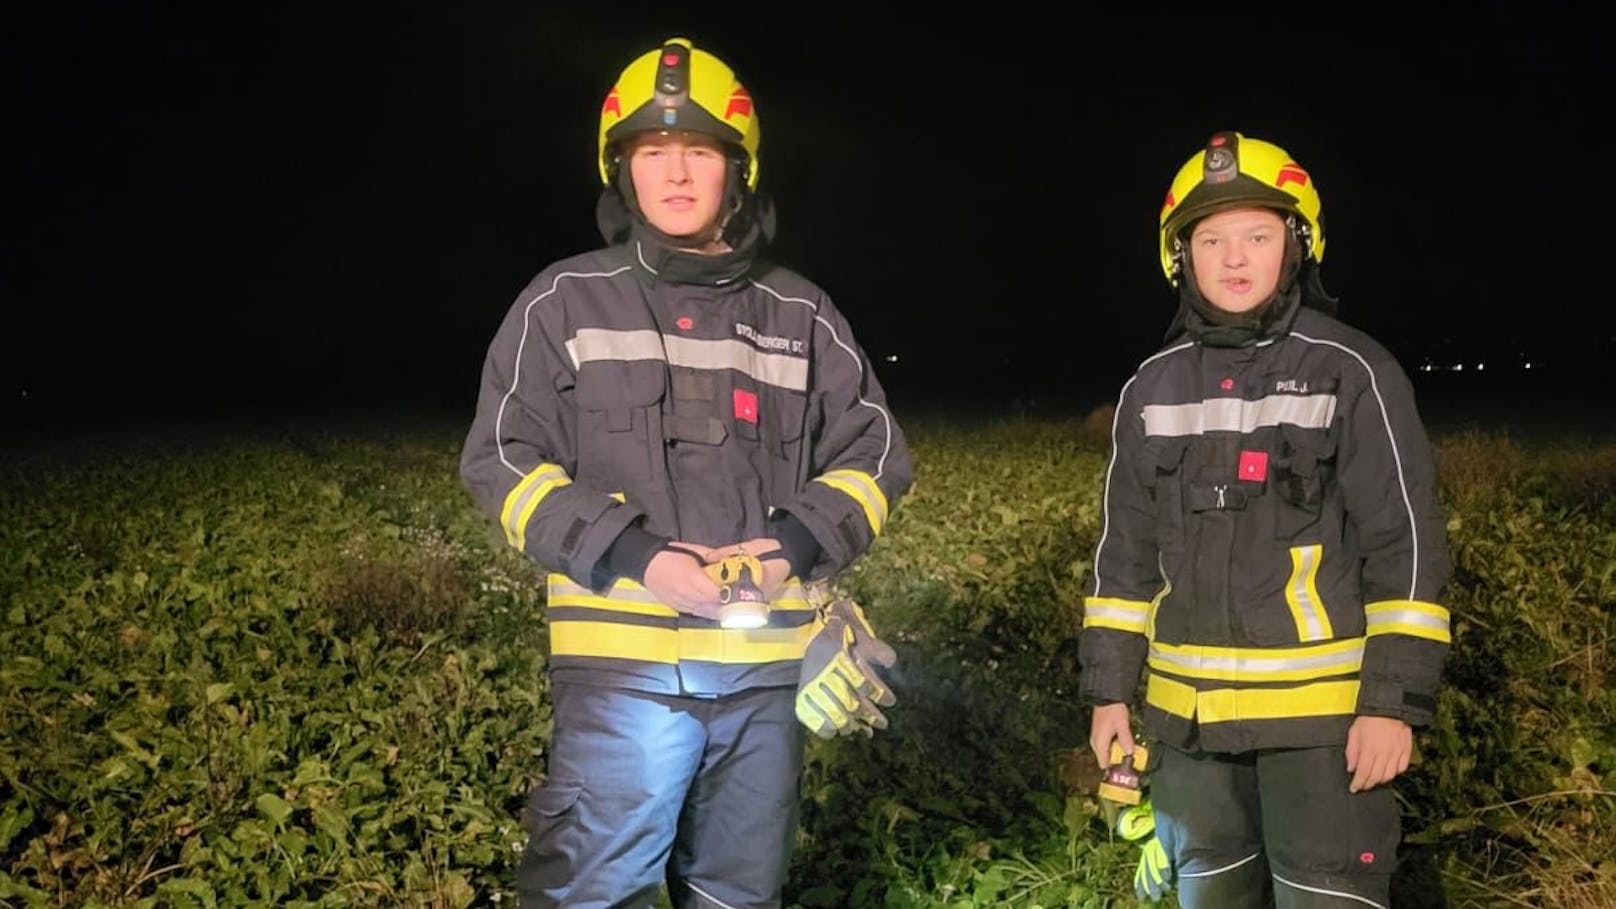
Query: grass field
pixel 284 663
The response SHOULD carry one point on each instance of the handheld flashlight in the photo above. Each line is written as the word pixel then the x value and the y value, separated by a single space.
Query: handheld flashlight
pixel 1124 778
pixel 740 598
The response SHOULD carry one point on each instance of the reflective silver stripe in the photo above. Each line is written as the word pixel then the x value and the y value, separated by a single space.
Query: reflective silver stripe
pixel 774 369
pixel 1312 623
pixel 1123 615
pixel 870 492
pixel 1238 415
pixel 1253 664
pixel 524 498
pixel 861 488
pixel 1426 620
pixel 591 344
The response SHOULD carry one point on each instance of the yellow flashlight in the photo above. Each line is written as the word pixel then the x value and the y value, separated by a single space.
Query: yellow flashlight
pixel 740 598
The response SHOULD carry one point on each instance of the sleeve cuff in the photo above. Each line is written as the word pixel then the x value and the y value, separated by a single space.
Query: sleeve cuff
pixel 797 542
pixel 1390 699
pixel 628 556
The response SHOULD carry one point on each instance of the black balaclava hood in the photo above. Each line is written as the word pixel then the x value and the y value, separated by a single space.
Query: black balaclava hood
pixel 1299 285
pixel 748 228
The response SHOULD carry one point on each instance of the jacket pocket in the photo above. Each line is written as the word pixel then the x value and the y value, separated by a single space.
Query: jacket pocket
pixel 619 420
pixel 1161 473
pixel 1303 466
pixel 770 416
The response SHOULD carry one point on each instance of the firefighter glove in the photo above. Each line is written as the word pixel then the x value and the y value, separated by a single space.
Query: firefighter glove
pixel 1154 876
pixel 838 691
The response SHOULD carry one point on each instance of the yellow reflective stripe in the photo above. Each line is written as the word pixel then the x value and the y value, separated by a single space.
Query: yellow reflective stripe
pixel 1410 617
pixel 648 606
pixel 1176 698
pixel 562 586
pixel 1317 699
pixel 670 645
pixel 627 596
pixel 611 639
pixel 1110 612
pixel 1224 705
pixel 525 496
pixel 1258 664
pixel 863 490
pixel 1302 594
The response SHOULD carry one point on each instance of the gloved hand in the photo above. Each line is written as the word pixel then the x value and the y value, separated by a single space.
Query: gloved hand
pixel 1154 876
pixel 838 691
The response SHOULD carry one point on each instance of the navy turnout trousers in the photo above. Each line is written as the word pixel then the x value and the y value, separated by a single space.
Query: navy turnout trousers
pixel 645 789
pixel 1274 828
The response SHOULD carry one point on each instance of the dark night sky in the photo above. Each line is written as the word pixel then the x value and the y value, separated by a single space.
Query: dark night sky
pixel 307 204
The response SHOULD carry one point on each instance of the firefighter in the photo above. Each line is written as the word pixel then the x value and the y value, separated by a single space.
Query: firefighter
pixel 647 410
pixel 1272 559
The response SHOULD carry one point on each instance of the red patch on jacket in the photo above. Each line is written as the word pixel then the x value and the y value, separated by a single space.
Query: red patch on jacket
pixel 1226 384
pixel 1253 465
pixel 745 406
pixel 685 322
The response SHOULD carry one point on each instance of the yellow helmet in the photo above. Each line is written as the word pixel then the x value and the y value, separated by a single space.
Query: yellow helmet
pixel 678 86
pixel 1232 172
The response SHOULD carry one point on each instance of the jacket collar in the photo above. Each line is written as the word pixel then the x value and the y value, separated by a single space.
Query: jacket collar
pixel 663 262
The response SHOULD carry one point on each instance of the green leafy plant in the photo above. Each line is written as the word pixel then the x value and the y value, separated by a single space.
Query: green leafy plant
pixel 299 669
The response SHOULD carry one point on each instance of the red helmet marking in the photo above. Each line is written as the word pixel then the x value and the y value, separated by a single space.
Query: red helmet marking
pixel 1291 173
pixel 611 106
pixel 670 59
pixel 739 103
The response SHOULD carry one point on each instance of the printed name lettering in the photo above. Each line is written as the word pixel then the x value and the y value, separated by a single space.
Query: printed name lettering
pixel 768 342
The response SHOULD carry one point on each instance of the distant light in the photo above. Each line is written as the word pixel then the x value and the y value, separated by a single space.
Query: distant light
pixel 1528 365
pixel 1480 367
pixel 1458 367
pixel 892 358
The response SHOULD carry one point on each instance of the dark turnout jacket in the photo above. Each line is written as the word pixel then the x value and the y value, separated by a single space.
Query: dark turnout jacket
pixel 636 389
pixel 1272 551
